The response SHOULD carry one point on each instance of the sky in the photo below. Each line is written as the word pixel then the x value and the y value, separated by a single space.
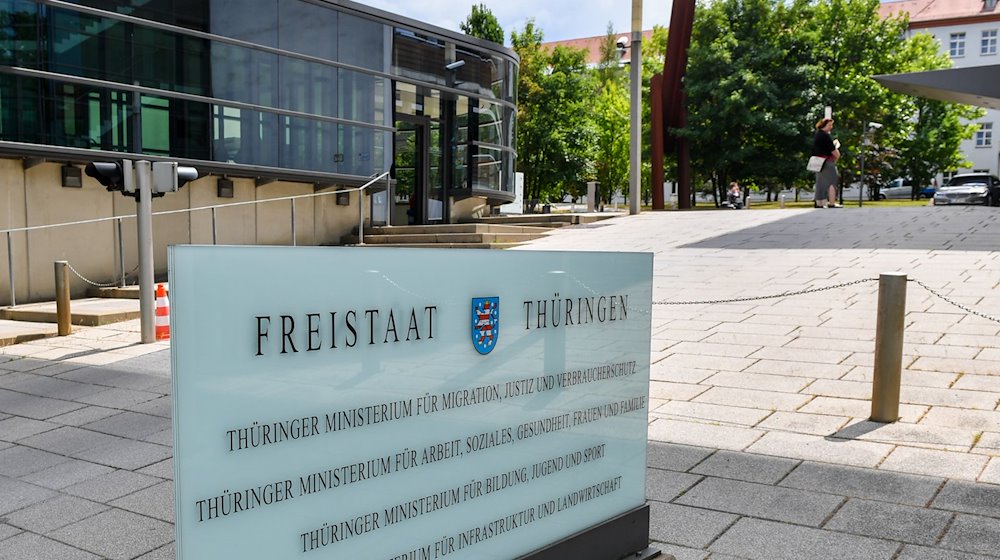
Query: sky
pixel 558 19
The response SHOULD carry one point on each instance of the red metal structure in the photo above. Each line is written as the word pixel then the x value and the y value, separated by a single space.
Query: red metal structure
pixel 668 107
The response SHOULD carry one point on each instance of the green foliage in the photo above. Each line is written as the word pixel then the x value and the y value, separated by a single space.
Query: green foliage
pixel 609 68
pixel 611 120
pixel 483 24
pixel 654 51
pixel 761 71
pixel 555 134
pixel 759 74
pixel 747 74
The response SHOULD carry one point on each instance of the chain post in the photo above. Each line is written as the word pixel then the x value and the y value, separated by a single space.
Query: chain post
pixel 889 327
pixel 121 254
pixel 294 240
pixel 361 218
pixel 10 269
pixel 63 315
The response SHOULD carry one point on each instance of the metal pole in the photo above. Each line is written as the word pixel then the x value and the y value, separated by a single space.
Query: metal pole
pixel 63 317
pixel 388 199
pixel 10 269
pixel 293 223
pixel 361 218
pixel 888 346
pixel 144 225
pixel 215 232
pixel 121 254
pixel 635 168
pixel 861 188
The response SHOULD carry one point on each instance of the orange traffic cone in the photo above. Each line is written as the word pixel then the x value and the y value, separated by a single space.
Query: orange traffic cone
pixel 162 314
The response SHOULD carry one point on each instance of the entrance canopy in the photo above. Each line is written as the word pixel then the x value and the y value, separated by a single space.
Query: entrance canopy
pixel 978 85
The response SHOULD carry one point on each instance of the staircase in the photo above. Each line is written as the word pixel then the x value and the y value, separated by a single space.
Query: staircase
pixel 465 236
pixel 494 232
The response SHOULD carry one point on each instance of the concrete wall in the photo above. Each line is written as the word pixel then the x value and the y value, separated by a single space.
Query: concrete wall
pixel 469 208
pixel 34 196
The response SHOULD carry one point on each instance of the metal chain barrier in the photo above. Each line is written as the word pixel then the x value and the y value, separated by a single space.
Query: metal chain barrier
pixel 933 292
pixel 96 284
pixel 955 303
pixel 774 296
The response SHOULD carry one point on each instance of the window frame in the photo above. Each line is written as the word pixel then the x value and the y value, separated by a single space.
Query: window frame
pixel 988 42
pixel 984 135
pixel 956 44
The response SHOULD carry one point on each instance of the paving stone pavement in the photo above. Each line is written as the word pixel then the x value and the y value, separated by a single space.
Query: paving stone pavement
pixel 759 443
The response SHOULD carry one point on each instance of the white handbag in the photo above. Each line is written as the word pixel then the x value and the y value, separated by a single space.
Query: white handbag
pixel 815 164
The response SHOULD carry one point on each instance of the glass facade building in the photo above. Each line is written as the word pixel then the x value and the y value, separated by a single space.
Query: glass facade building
pixel 326 92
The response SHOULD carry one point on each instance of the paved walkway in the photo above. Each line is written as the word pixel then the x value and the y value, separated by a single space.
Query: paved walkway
pixel 759 447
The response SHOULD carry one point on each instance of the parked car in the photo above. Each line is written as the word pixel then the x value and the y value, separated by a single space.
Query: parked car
pixel 970 188
pixel 903 188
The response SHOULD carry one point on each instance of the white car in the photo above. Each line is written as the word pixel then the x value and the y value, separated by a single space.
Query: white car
pixel 970 188
pixel 903 188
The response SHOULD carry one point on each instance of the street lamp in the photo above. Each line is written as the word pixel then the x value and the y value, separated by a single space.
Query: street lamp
pixel 635 72
pixel 872 126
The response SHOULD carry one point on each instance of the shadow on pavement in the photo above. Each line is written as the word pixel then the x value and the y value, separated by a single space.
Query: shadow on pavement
pixel 969 228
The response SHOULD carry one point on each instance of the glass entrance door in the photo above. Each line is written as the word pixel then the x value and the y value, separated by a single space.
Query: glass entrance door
pixel 420 193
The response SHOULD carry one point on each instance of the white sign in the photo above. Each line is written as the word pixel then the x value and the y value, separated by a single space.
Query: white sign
pixel 404 403
pixel 517 205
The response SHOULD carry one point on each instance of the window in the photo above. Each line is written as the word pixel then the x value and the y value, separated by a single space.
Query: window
pixel 989 42
pixel 984 136
pixel 956 45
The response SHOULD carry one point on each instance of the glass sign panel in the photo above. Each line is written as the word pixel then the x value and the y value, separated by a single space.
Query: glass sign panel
pixel 404 403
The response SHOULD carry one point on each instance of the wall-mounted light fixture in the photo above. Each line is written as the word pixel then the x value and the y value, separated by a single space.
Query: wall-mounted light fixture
pixel 72 177
pixel 224 188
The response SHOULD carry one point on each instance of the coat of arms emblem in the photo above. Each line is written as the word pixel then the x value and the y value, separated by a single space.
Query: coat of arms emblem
pixel 485 323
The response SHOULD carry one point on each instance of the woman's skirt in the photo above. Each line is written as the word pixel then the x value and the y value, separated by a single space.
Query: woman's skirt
pixel 827 176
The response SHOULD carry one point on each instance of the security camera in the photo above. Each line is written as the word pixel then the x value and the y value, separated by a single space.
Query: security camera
pixel 874 125
pixel 455 65
pixel 622 42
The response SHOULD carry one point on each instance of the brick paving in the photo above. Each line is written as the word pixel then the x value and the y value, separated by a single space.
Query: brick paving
pixel 767 400
pixel 759 447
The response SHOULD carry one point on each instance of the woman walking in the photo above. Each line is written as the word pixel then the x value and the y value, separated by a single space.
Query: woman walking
pixel 827 148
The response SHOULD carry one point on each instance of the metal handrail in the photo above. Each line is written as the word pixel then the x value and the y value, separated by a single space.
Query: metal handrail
pixel 213 208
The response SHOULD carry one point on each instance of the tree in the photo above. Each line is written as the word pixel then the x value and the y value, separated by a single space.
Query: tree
pixel 611 120
pixel 609 67
pixel 554 128
pixel 761 71
pixel 851 43
pixel 746 74
pixel 483 24
pixel 654 51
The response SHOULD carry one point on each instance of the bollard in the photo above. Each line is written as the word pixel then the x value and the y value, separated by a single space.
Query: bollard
pixel 62 298
pixel 889 324
pixel 781 201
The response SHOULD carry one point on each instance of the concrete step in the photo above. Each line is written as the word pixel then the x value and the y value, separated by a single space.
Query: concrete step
pixel 453 228
pixel 540 219
pixel 443 245
pixel 90 312
pixel 127 292
pixel 16 332
pixel 427 238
